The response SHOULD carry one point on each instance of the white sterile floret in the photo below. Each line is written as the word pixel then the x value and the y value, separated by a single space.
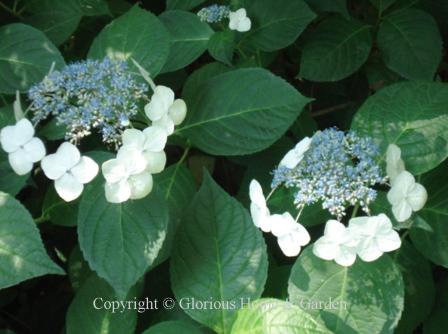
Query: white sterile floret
pixel 291 236
pixel 258 208
pixel 406 196
pixel 294 156
pixel 375 236
pixel 22 147
pixel 164 111
pixel 69 170
pixel 239 21
pixel 151 143
pixel 394 163
pixel 337 243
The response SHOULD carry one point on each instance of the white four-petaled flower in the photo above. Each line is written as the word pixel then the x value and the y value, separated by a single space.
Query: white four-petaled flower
pixel 406 196
pixel 291 236
pixel 294 156
pixel 239 21
pixel 22 147
pixel 394 163
pixel 258 208
pixel 69 170
pixel 374 235
pixel 337 244
pixel 164 111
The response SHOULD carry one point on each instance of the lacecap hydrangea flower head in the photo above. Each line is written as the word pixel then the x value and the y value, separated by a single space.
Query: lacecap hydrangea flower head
pixel 341 172
pixel 238 19
pixel 88 97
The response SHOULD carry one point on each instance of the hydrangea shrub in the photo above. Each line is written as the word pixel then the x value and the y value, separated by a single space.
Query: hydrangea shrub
pixel 230 167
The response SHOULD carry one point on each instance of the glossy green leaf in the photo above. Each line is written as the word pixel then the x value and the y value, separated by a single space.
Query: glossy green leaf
pixel 183 4
pixel 221 45
pixel 172 327
pixel 22 253
pixel 241 112
pixel 335 50
pixel 219 256
pixel 411 115
pixel 382 5
pixel 120 241
pixel 410 43
pixel 432 242
pixel 273 316
pixel 94 7
pixel 59 211
pixel 189 38
pixel 275 24
pixel 137 34
pixel 331 6
pixel 87 313
pixel 365 298
pixel 26 55
pixel 437 323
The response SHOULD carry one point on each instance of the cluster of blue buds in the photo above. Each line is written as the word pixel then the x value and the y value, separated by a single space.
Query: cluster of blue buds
pixel 214 13
pixel 89 95
pixel 338 170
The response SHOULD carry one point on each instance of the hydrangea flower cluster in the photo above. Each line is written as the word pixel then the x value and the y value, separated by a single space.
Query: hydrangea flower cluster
pixel 101 95
pixel 340 170
pixel 337 169
pixel 238 19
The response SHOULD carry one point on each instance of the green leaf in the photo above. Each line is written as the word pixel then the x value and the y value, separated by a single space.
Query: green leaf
pixel 78 269
pixel 57 19
pixel 219 256
pixel 419 288
pixel 411 115
pixel 365 298
pixel 23 255
pixel 26 55
pixel 226 118
pixel 335 50
pixel 221 45
pixel 172 327
pixel 59 211
pixel 189 38
pixel 273 316
pixel 94 7
pixel 87 313
pixel 178 186
pixel 382 5
pixel 53 131
pixel 120 241
pixel 433 242
pixel 183 4
pixel 137 34
pixel 437 323
pixel 275 24
pixel 331 6
pixel 410 43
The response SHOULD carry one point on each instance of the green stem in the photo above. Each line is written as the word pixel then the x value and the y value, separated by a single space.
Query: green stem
pixel 184 156
pixel 10 11
pixel 41 219
pixel 355 211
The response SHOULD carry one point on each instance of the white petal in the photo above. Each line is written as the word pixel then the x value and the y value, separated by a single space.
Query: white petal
pixel 155 161
pixel 165 123
pixel 19 162
pixel 256 193
pixel 14 136
pixel 260 217
pixel 178 111
pixel 401 186
pixel 335 230
pixel 35 149
pixel 402 211
pixel 241 13
pixel 389 242
pixel 140 184
pixel 85 170
pixel 114 171
pixel 52 167
pixel 117 192
pixel 294 156
pixel 358 224
pixel 289 245
pixel 68 187
pixel 394 164
pixel 244 25
pixel 133 138
pixel 301 234
pixel 155 109
pixel 282 224
pixel 417 197
pixel 345 257
pixel 156 139
pixel 132 159
pixel 368 250
pixel 67 155
pixel 325 248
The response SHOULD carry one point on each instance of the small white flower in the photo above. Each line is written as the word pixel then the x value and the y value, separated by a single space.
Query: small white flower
pixel 294 156
pixel 164 111
pixel 394 163
pixel 69 170
pixel 291 236
pixel 406 196
pixel 126 176
pixel 239 21
pixel 258 208
pixel 22 147
pixel 150 142
pixel 337 243
pixel 375 236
